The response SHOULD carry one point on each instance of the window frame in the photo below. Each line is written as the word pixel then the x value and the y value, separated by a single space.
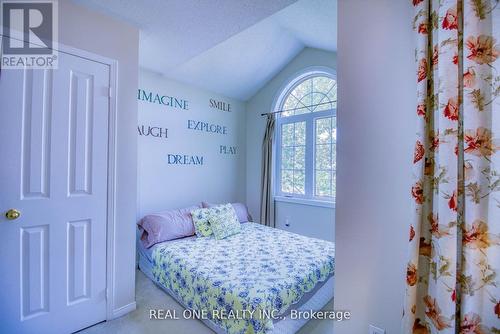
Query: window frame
pixel 310 118
pixel 333 113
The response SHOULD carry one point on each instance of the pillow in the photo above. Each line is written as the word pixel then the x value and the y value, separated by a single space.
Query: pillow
pixel 240 209
pixel 166 225
pixel 201 224
pixel 223 221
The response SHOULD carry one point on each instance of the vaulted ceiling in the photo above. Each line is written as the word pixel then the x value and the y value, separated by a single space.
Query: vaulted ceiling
pixel 230 47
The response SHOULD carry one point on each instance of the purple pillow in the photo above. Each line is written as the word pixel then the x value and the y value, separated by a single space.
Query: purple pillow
pixel 166 225
pixel 240 208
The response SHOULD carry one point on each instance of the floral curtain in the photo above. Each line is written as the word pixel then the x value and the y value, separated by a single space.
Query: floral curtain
pixel 453 272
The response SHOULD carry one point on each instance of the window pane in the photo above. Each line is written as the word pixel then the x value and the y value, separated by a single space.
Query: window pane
pixel 287 154
pixel 299 182
pixel 325 88
pixel 334 184
pixel 332 95
pixel 327 106
pixel 300 133
pixel 325 154
pixel 334 157
pixel 311 95
pixel 287 181
pixel 318 98
pixel 293 158
pixel 334 129
pixel 323 130
pixel 300 158
pixel 287 132
pixel 323 183
pixel 304 105
pixel 303 89
pixel 323 157
pixel 290 104
pixel 323 84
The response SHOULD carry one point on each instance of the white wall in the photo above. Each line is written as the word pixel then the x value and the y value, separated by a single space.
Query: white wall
pixel 96 33
pixel 374 153
pixel 221 178
pixel 307 220
pixel 313 221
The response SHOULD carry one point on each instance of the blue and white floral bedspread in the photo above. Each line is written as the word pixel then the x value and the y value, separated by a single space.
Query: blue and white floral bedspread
pixel 257 271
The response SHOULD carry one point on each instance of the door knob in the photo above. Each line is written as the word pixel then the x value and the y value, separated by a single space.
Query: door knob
pixel 12 214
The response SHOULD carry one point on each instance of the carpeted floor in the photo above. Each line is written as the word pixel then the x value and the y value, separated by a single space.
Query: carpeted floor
pixel 149 296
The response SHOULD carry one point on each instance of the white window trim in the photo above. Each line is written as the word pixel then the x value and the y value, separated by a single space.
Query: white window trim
pixel 307 199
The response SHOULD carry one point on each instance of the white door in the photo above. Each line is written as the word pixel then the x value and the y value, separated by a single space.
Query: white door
pixel 53 170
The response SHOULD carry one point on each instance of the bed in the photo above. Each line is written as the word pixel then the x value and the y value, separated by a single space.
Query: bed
pixel 248 282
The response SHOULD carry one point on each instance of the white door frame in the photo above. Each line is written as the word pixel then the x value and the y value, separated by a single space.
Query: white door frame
pixel 111 204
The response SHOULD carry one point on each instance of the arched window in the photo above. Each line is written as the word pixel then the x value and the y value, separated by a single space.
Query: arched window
pixel 306 137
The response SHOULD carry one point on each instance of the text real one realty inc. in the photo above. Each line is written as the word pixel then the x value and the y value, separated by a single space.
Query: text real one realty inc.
pixel 223 314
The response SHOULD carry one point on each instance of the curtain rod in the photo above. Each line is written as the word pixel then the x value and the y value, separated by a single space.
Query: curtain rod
pixel 283 110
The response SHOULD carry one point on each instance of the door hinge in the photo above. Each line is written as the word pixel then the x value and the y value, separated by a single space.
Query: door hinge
pixel 108 297
pixel 110 91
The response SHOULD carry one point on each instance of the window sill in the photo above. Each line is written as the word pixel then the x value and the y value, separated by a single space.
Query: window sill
pixel 305 201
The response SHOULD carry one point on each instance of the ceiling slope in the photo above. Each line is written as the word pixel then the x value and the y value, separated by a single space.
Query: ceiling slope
pixel 229 47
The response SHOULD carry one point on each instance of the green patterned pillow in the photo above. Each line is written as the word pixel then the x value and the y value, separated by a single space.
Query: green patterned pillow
pixel 224 221
pixel 201 225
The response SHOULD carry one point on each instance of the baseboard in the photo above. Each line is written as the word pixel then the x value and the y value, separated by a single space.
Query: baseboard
pixel 123 310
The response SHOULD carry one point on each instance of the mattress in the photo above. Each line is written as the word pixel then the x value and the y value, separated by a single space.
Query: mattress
pixel 259 269
pixel 147 253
